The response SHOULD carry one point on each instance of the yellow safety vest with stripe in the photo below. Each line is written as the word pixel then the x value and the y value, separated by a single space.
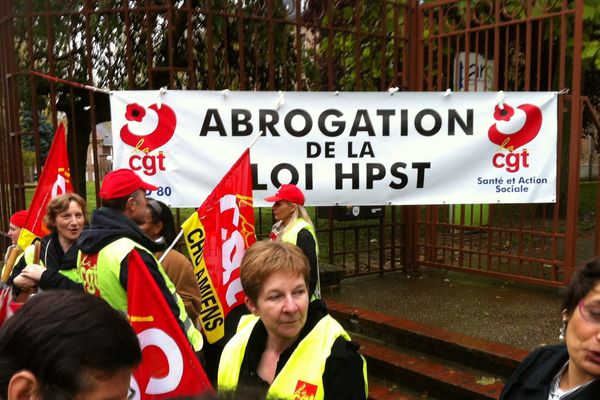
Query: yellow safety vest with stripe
pixel 291 236
pixel 302 375
pixel 104 282
pixel 72 273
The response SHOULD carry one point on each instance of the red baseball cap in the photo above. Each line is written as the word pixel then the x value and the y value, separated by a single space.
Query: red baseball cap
pixel 288 192
pixel 122 182
pixel 19 218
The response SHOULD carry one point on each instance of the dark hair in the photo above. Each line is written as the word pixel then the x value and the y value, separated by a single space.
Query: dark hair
pixel 60 204
pixel 62 336
pixel 118 203
pixel 583 281
pixel 162 213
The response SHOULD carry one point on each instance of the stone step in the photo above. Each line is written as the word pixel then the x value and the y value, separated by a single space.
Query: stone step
pixel 382 389
pixel 493 358
pixel 423 373
pixel 386 391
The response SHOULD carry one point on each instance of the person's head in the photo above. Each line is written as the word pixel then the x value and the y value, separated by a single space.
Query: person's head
pixel 124 191
pixel 66 215
pixel 67 344
pixel 159 221
pixel 288 204
pixel 274 276
pixel 581 313
pixel 17 221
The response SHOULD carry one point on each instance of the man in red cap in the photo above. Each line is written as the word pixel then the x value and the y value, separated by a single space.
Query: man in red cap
pixel 113 234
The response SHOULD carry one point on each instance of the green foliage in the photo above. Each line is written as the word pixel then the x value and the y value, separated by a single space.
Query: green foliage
pixel 44 129
pixel 359 40
pixel 587 205
pixel 591 34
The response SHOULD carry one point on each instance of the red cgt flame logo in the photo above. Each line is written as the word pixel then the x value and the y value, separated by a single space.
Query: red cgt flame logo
pixel 526 134
pixel 167 121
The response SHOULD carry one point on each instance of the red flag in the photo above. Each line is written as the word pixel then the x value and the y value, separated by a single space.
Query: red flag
pixel 7 305
pixel 54 180
pixel 217 235
pixel 169 366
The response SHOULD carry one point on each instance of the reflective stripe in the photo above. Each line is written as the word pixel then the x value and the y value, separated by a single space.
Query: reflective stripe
pixel 291 236
pixel 105 282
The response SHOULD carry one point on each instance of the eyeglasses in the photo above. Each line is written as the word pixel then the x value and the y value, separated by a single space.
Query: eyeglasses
pixel 590 312
pixel 131 394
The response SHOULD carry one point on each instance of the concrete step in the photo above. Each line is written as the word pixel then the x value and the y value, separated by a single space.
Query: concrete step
pixel 380 389
pixel 489 357
pixel 426 374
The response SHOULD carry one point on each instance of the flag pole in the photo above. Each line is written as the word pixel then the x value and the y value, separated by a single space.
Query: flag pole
pixel 181 231
pixel 255 139
pixel 171 246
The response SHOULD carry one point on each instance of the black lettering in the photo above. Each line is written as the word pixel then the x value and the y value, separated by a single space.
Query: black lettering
pixel 375 172
pixel 309 177
pixel 419 122
pixel 420 167
pixel 385 121
pixel 211 325
pixel 356 126
pixel 340 125
pixel 284 166
pixel 264 125
pixel 313 149
pixel 255 184
pixel 287 122
pixel 340 176
pixel 240 117
pixel 207 127
pixel 403 122
pixel 453 118
pixel 396 173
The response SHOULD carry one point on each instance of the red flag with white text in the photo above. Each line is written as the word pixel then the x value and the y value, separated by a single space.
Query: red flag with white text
pixel 169 367
pixel 54 180
pixel 217 235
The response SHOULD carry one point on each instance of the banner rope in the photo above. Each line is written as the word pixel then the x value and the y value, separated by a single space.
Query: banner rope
pixel 66 82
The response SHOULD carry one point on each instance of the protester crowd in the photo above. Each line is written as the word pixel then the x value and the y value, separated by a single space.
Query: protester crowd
pixel 71 338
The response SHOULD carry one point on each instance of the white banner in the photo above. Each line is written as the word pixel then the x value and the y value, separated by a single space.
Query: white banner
pixel 350 148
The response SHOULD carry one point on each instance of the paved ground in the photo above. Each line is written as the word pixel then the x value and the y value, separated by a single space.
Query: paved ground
pixel 494 310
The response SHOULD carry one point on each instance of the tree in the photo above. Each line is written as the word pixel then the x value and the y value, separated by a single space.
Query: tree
pixel 149 44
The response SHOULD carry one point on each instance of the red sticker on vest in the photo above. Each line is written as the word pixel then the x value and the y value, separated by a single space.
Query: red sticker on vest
pixel 88 269
pixel 305 391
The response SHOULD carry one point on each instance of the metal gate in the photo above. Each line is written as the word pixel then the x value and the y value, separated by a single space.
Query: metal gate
pixel 516 46
pixel 79 45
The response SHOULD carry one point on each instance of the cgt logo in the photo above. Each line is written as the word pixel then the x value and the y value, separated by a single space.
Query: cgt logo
pixel 146 132
pixel 513 131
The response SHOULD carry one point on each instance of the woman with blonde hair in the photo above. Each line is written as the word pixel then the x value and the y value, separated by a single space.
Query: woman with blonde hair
pixel 294 226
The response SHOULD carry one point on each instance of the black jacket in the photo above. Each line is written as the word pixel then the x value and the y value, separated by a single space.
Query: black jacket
pixel 109 225
pixel 306 242
pixel 54 259
pixel 532 379
pixel 343 375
